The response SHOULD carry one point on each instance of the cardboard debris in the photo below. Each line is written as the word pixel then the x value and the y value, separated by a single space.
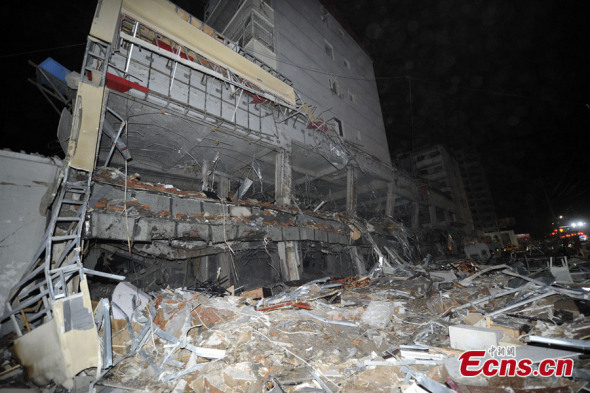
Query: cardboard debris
pixel 475 319
pixel 378 314
pixel 257 293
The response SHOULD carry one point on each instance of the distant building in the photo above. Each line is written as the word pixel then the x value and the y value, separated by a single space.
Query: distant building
pixel 440 173
pixel 477 189
pixel 506 223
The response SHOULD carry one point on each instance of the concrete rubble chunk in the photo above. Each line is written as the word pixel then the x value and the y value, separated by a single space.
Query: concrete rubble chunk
pixel 467 338
pixel 475 319
pixel 239 374
pixel 368 340
pixel 240 211
pixel 378 314
pixel 128 297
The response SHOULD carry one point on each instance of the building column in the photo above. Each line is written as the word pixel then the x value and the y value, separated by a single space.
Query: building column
pixel 203 268
pixel 224 185
pixel 351 190
pixel 224 267
pixel 205 175
pixel 288 254
pixel 275 271
pixel 290 261
pixel 390 202
pixel 283 178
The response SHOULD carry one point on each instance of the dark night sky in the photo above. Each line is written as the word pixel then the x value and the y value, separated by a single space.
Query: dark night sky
pixel 507 78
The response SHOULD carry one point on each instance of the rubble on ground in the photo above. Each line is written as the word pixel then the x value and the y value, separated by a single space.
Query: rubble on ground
pixel 397 331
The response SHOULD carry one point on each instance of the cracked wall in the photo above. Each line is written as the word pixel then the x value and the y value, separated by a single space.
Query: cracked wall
pixel 24 179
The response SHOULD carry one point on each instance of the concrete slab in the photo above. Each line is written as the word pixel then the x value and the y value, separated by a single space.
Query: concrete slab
pixel 291 233
pixel 186 206
pixel 465 338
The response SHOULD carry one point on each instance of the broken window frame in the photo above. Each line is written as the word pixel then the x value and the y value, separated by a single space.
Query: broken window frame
pixel 339 128
pixel 329 49
pixel 347 64
pixel 352 98
pixel 334 86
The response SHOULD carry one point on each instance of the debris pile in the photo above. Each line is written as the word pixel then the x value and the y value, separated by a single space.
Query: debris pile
pixel 398 329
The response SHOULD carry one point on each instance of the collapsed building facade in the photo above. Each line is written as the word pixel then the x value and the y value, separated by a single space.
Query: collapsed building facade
pixel 193 156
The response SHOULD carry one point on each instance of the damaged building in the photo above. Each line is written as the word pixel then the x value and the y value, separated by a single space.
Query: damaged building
pixel 193 154
pixel 220 158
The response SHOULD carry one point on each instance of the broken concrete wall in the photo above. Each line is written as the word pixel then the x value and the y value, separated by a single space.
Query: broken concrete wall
pixel 62 347
pixel 24 179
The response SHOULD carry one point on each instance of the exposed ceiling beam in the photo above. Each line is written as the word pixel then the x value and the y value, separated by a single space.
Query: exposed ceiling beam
pixel 372 186
pixel 319 175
